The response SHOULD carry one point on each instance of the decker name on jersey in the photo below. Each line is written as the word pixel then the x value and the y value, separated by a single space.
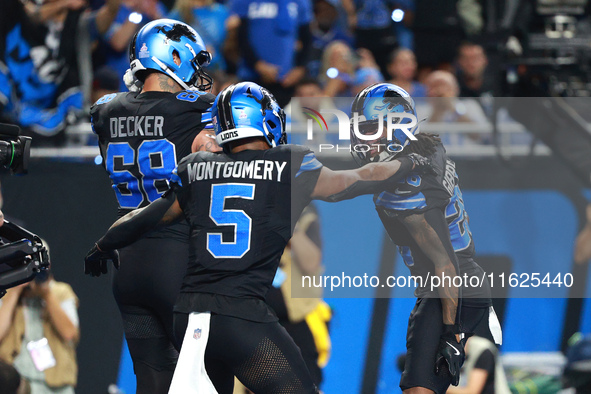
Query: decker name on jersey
pixel 143 136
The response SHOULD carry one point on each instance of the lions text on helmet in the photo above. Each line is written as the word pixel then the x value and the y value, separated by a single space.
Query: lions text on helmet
pixel 253 112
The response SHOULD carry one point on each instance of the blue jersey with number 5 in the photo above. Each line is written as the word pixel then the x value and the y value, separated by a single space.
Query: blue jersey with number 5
pixel 242 209
pixel 143 136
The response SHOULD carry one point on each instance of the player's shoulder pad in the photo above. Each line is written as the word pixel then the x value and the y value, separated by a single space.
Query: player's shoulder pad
pixel 439 158
pixel 303 160
pixel 294 153
pixel 441 164
pixel 107 101
pixel 200 101
pixel 182 166
pixel 197 157
pixel 289 149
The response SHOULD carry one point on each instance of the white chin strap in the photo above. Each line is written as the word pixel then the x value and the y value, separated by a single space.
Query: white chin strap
pixel 170 73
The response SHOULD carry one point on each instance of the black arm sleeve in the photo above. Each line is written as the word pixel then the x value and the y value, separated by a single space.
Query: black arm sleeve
pixel 360 188
pixel 140 222
pixel 305 37
pixel 247 50
pixel 486 361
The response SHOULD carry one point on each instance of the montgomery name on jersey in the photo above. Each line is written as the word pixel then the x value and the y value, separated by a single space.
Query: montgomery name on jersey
pixel 419 193
pixel 242 223
pixel 143 136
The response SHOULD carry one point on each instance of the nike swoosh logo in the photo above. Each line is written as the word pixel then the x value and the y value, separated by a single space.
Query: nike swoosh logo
pixel 398 191
pixel 454 348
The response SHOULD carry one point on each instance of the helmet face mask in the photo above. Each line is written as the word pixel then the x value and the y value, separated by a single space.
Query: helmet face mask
pixel 173 48
pixel 376 149
pixel 372 107
pixel 246 110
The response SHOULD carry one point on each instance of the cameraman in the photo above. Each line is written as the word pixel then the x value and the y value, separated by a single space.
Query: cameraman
pixel 39 332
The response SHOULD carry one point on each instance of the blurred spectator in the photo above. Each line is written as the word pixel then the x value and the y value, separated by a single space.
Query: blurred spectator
pixel 366 72
pixel 402 69
pixel 325 29
pixel 437 34
pixel 275 41
pixel 39 333
pixel 114 51
pixel 308 93
pixel 105 81
pixel 472 76
pixel 222 80
pixel 364 77
pixel 45 62
pixel 443 91
pixel 482 372
pixel 338 69
pixel 304 315
pixel 374 28
pixel 209 19
pixel 445 106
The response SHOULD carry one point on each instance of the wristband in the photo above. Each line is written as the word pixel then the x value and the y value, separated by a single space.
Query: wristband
pixel 451 329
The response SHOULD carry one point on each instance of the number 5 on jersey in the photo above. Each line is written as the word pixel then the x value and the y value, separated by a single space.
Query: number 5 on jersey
pixel 236 218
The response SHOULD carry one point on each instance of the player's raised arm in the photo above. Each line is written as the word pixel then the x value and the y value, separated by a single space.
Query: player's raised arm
pixel 129 229
pixel 372 178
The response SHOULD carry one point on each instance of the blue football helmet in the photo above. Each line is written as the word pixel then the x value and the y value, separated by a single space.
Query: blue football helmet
pixel 154 46
pixel 374 103
pixel 245 110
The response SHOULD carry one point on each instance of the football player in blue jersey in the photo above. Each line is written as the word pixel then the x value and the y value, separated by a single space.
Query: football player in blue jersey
pixel 143 134
pixel 425 217
pixel 242 206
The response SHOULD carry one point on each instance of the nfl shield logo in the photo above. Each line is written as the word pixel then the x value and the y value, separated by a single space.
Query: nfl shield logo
pixel 197 333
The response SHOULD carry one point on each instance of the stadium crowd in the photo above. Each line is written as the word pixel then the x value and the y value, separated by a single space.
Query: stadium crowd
pixel 58 57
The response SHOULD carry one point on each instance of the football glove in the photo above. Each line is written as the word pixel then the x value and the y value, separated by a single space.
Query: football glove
pixel 450 353
pixel 96 261
pixel 421 164
pixel 132 83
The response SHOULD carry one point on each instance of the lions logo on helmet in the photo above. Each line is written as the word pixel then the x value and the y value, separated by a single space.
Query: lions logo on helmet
pixel 159 43
pixel 245 110
pixel 374 103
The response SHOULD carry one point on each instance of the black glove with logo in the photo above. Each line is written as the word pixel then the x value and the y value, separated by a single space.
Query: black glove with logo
pixel 96 261
pixel 450 353
pixel 421 164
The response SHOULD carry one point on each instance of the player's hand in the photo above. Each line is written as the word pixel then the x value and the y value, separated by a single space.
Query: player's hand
pixel 450 354
pixel 421 164
pixel 267 71
pixel 293 76
pixel 96 261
